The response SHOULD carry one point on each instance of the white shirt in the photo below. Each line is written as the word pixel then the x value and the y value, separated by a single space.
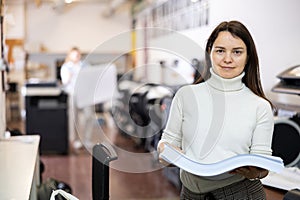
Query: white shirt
pixel 68 73
pixel 216 120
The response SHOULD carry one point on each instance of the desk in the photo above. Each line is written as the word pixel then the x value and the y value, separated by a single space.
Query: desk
pixel 19 169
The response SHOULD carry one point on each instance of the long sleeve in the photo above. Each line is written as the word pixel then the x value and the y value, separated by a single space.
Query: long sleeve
pixel 244 125
pixel 263 133
pixel 173 131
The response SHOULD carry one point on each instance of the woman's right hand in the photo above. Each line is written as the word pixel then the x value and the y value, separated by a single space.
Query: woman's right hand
pixel 160 149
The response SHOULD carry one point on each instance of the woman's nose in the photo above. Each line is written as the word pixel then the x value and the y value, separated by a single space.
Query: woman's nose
pixel 227 57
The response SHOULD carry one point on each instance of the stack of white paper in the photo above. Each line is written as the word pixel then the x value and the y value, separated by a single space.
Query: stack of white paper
pixel 219 170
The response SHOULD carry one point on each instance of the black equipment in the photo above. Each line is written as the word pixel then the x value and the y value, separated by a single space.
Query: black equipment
pixel 46 115
pixel 142 111
pixel 286 140
pixel 286 136
pixel 144 104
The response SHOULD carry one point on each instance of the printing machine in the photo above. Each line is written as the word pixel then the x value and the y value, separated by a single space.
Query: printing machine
pixel 142 110
pixel 289 81
pixel 46 115
pixel 286 136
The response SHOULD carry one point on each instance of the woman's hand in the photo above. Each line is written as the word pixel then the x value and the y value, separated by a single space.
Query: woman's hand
pixel 250 172
pixel 160 149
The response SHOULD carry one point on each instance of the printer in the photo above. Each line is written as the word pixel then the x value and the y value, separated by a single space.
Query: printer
pixel 46 107
pixel 289 81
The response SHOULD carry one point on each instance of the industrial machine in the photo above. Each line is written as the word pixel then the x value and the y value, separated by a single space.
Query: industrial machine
pixel 286 137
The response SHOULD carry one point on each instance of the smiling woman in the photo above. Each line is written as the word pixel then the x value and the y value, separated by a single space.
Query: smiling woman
pixel 239 35
pixel 228 55
pixel 226 114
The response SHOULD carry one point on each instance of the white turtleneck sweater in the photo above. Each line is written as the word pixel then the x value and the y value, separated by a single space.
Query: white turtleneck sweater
pixel 215 120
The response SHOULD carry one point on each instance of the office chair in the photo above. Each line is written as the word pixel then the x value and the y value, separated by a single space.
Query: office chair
pixel 103 154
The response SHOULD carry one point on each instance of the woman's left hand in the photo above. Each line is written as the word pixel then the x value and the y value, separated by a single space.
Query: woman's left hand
pixel 251 172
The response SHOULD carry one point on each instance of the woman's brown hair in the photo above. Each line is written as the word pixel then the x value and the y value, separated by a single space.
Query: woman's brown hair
pixel 252 74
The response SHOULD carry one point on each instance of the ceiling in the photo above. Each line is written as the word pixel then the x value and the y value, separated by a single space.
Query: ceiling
pixel 112 5
pixel 39 2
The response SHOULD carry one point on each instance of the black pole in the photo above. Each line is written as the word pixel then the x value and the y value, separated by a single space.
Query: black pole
pixel 102 155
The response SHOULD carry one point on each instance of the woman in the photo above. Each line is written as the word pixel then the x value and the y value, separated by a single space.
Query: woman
pixel 70 69
pixel 69 72
pixel 83 117
pixel 226 114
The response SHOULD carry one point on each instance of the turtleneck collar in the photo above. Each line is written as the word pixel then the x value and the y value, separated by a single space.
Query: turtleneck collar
pixel 226 85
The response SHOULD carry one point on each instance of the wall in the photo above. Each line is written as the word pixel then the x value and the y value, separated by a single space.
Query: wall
pixel 15 21
pixel 273 24
pixel 275 28
pixel 80 24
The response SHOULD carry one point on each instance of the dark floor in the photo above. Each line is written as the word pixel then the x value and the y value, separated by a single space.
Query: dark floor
pixel 75 169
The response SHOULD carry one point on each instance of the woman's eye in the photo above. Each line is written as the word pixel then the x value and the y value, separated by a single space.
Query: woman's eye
pixel 237 52
pixel 220 51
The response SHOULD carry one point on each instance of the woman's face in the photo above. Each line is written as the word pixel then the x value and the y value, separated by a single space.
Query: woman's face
pixel 74 56
pixel 228 55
